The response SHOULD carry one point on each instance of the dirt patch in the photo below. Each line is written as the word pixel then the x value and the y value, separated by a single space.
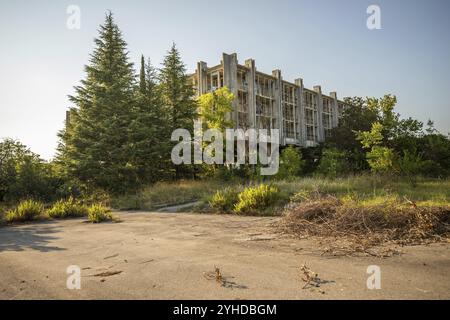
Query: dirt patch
pixel 351 228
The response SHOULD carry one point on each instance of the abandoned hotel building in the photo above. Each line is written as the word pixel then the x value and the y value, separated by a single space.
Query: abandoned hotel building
pixel 265 101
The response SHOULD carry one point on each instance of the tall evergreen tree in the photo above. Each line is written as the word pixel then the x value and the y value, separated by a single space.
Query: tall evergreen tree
pixel 177 95
pixel 149 131
pixel 142 79
pixel 95 142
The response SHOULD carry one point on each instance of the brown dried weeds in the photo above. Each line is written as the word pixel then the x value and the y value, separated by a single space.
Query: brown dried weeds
pixel 352 228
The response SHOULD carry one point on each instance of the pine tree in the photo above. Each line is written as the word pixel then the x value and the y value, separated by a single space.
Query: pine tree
pixel 149 151
pixel 95 143
pixel 142 79
pixel 177 95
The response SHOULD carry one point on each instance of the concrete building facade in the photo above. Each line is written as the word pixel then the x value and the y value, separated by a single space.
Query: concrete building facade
pixel 267 101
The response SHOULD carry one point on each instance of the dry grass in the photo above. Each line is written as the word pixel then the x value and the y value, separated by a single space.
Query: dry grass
pixel 426 192
pixel 347 227
pixel 164 194
pixel 310 277
pixel 214 275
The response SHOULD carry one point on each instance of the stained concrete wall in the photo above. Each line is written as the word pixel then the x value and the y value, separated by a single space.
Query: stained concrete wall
pixel 230 67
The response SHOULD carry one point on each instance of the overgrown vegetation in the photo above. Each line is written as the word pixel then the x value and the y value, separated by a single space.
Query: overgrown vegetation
pixel 23 174
pixel 67 208
pixel 224 200
pixel 164 194
pixel 372 136
pixel 291 164
pixel 348 225
pixel 98 213
pixel 27 210
pixel 364 188
pixel 256 199
pixel 115 149
pixel 31 210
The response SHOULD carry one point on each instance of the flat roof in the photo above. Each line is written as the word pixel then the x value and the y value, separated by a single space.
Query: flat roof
pixel 272 77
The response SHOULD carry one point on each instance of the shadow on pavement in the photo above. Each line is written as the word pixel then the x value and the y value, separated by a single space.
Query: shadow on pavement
pixel 37 237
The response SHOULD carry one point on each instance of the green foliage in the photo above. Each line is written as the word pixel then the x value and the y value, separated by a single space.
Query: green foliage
pixel 373 137
pixel 177 91
pixel 149 134
pixel 256 199
pixel 411 163
pixel 332 163
pixel 95 143
pixel 214 108
pixel 381 159
pixel 359 117
pixel 366 186
pixel 224 200
pixel 177 95
pixel 435 151
pixel 373 122
pixel 67 208
pixel 311 157
pixel 400 145
pixel 163 194
pixel 27 210
pixel 291 163
pixel 24 174
pixel 99 213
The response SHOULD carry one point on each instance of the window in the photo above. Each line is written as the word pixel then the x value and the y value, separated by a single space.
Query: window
pixel 242 81
pixel 309 115
pixel 215 80
pixel 310 133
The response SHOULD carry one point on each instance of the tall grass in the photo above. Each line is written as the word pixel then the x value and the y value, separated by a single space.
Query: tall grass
pixel 368 187
pixel 69 208
pixel 363 187
pixel 27 210
pixel 166 194
pixel 98 213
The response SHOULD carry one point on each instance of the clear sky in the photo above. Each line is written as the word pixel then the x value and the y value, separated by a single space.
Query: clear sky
pixel 325 42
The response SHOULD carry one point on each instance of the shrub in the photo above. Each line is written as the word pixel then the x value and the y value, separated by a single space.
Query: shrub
pixel 256 199
pixel 23 174
pixel 224 200
pixel 332 163
pixel 98 213
pixel 291 163
pixel 67 208
pixel 381 159
pixel 2 215
pixel 26 211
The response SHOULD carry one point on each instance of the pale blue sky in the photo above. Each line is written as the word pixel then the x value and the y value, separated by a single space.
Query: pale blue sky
pixel 325 42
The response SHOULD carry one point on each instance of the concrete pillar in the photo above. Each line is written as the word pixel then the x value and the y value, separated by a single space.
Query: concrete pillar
pixel 334 109
pixel 202 69
pixel 230 64
pixel 278 106
pixel 301 130
pixel 321 129
pixel 250 64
